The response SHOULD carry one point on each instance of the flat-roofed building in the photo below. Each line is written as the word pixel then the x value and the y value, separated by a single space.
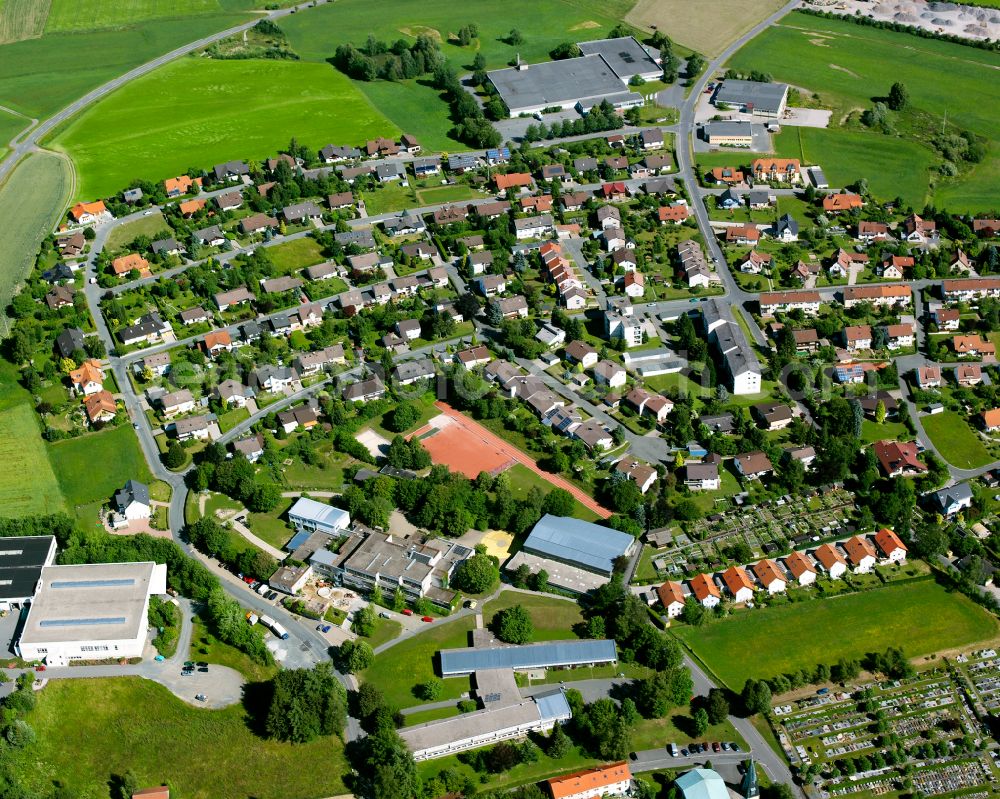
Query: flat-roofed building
pixel 753 97
pixel 578 543
pixel 309 515
pixel 544 655
pixel 728 134
pixel 90 612
pixel 22 559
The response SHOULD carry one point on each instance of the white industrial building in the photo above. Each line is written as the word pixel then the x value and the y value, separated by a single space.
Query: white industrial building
pixel 312 516
pixel 22 559
pixel 90 612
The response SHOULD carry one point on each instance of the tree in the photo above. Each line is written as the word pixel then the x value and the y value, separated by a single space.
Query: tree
pixel 354 656
pixel 305 704
pixel 176 456
pixel 430 690
pixel 515 38
pixel 126 785
pixel 387 770
pixel 700 719
pixel 365 621
pixel 476 575
pixel 513 625
pixel 899 96
pixel 558 502
pixel 403 417
pixel 717 706
pixel 756 697
pixel 558 744
pixel 880 412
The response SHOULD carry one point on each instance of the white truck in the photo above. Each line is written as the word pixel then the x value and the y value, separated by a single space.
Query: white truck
pixel 274 627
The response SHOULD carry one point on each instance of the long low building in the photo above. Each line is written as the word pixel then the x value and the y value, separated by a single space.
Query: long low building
pixel 487 726
pixel 546 655
pixel 753 97
pixel 90 612
pixel 578 543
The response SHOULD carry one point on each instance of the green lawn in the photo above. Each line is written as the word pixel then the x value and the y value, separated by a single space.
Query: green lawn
pixel 271 527
pixel 116 451
pixel 27 483
pixel 295 255
pixel 328 477
pixel 523 479
pixel 205 646
pixel 848 65
pixel 385 631
pixel 401 667
pixel 229 419
pixel 957 442
pixel 553 618
pixel 921 617
pixel 150 226
pixel 201 111
pixel 870 431
pixel 31 201
pixel 10 126
pixel 89 730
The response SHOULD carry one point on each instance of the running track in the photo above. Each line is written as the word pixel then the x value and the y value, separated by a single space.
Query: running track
pixel 515 454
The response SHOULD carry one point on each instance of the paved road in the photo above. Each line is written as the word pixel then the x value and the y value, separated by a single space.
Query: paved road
pixel 29 141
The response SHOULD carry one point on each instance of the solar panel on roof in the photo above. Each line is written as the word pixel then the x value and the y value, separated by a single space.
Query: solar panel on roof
pixel 81 622
pixel 113 583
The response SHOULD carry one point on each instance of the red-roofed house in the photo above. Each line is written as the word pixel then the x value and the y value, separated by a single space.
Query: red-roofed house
pixel 672 598
pixel 705 590
pixel 898 458
pixel 860 554
pixel 770 576
pixel 738 582
pixel 801 568
pixel 893 550
pixel 831 561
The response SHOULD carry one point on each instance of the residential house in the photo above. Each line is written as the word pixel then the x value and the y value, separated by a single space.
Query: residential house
pixel 756 262
pixel 409 372
pixel 970 289
pixel 90 213
pixel 838 203
pixel 594 435
pixel 898 458
pixel 211 236
pixel 230 171
pixel 742 235
pixel 990 420
pixel 705 591
pixel 511 307
pixel 727 175
pixel 770 576
pixel 702 476
pixel 953 499
pixel 474 356
pixel 780 170
pixel 753 465
pixel 869 232
pixel 130 262
pixel 771 415
pixel 194 427
pixel 860 554
pixel 100 407
pixel 772 302
pixel 801 568
pixel 229 201
pixel 513 180
pixel 364 390
pixel 237 296
pixel 806 340
pixel 217 341
pixel 785 229
pixel 974 346
pixel 490 285
pixel 300 213
pixel 148 328
pixel 919 231
pixel 968 374
pixel 675 213
pixel 182 184
pixel 889 546
pixel 878 296
pixel 945 319
pixel 634 284
pixel 738 583
pixel 88 379
pixel 257 223
pixel 858 337
pixel 610 374
pixel 534 227
pixel 831 561
pixel 250 447
pixel 894 267
pixel 59 297
pixel 233 394
pixel 929 377
pixel 132 501
pixel 272 378
pixel 194 316
pixel 671 596
pixel 175 402
pixel 642 474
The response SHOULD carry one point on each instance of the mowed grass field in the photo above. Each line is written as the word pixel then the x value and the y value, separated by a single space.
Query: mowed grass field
pixel 849 65
pixel 407 664
pixel 921 617
pixel 202 111
pixel 31 202
pixel 27 483
pixel 89 730
pixel 92 467
pixel 553 618
pixel 705 27
pixel 77 15
pixel 957 443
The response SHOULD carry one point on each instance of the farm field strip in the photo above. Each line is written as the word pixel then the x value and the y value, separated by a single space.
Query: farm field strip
pixel 705 27
pixel 27 483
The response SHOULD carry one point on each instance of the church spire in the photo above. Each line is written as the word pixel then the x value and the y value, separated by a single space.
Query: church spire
pixel 748 785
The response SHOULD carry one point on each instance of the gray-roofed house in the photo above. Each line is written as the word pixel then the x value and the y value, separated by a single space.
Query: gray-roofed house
pixel 70 340
pixel 250 447
pixel 211 236
pixel 132 501
pixel 953 499
pixel 362 238
pixel 168 246
pixel 231 170
pixel 272 378
pixel 302 212
pixel 409 372
pixel 364 390
pixel 237 296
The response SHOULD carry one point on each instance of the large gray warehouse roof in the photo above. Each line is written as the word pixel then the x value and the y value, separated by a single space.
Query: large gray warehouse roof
pixel 764 96
pixel 21 562
pixel 624 55
pixel 556 82
pixel 578 542
pixel 531 656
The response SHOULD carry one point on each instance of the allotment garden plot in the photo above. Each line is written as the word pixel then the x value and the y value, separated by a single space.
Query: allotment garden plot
pixel 766 528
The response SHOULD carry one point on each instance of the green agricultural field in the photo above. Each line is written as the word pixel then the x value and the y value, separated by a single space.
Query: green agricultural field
pixel 117 452
pixel 957 443
pixel 922 617
pixel 69 15
pixel 11 125
pixel 403 666
pixel 150 226
pixel 31 201
pixel 42 75
pixel 553 618
pixel 201 753
pixel 27 483
pixel 705 27
pixel 849 65
pixel 295 255
pixel 200 111
pixel 22 19
pixel 416 107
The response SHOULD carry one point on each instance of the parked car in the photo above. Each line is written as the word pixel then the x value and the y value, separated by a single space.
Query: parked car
pixel 186 672
pixel 203 669
pixel 735 747
pixel 201 664
pixel 684 752
pixel 323 628
pixel 427 619
pixel 200 697
pixel 383 615
pixel 716 747
pixel 725 746
pixel 407 612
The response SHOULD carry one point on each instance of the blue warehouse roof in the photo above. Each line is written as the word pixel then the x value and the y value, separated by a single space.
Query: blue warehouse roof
pixel 578 542
pixel 531 656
